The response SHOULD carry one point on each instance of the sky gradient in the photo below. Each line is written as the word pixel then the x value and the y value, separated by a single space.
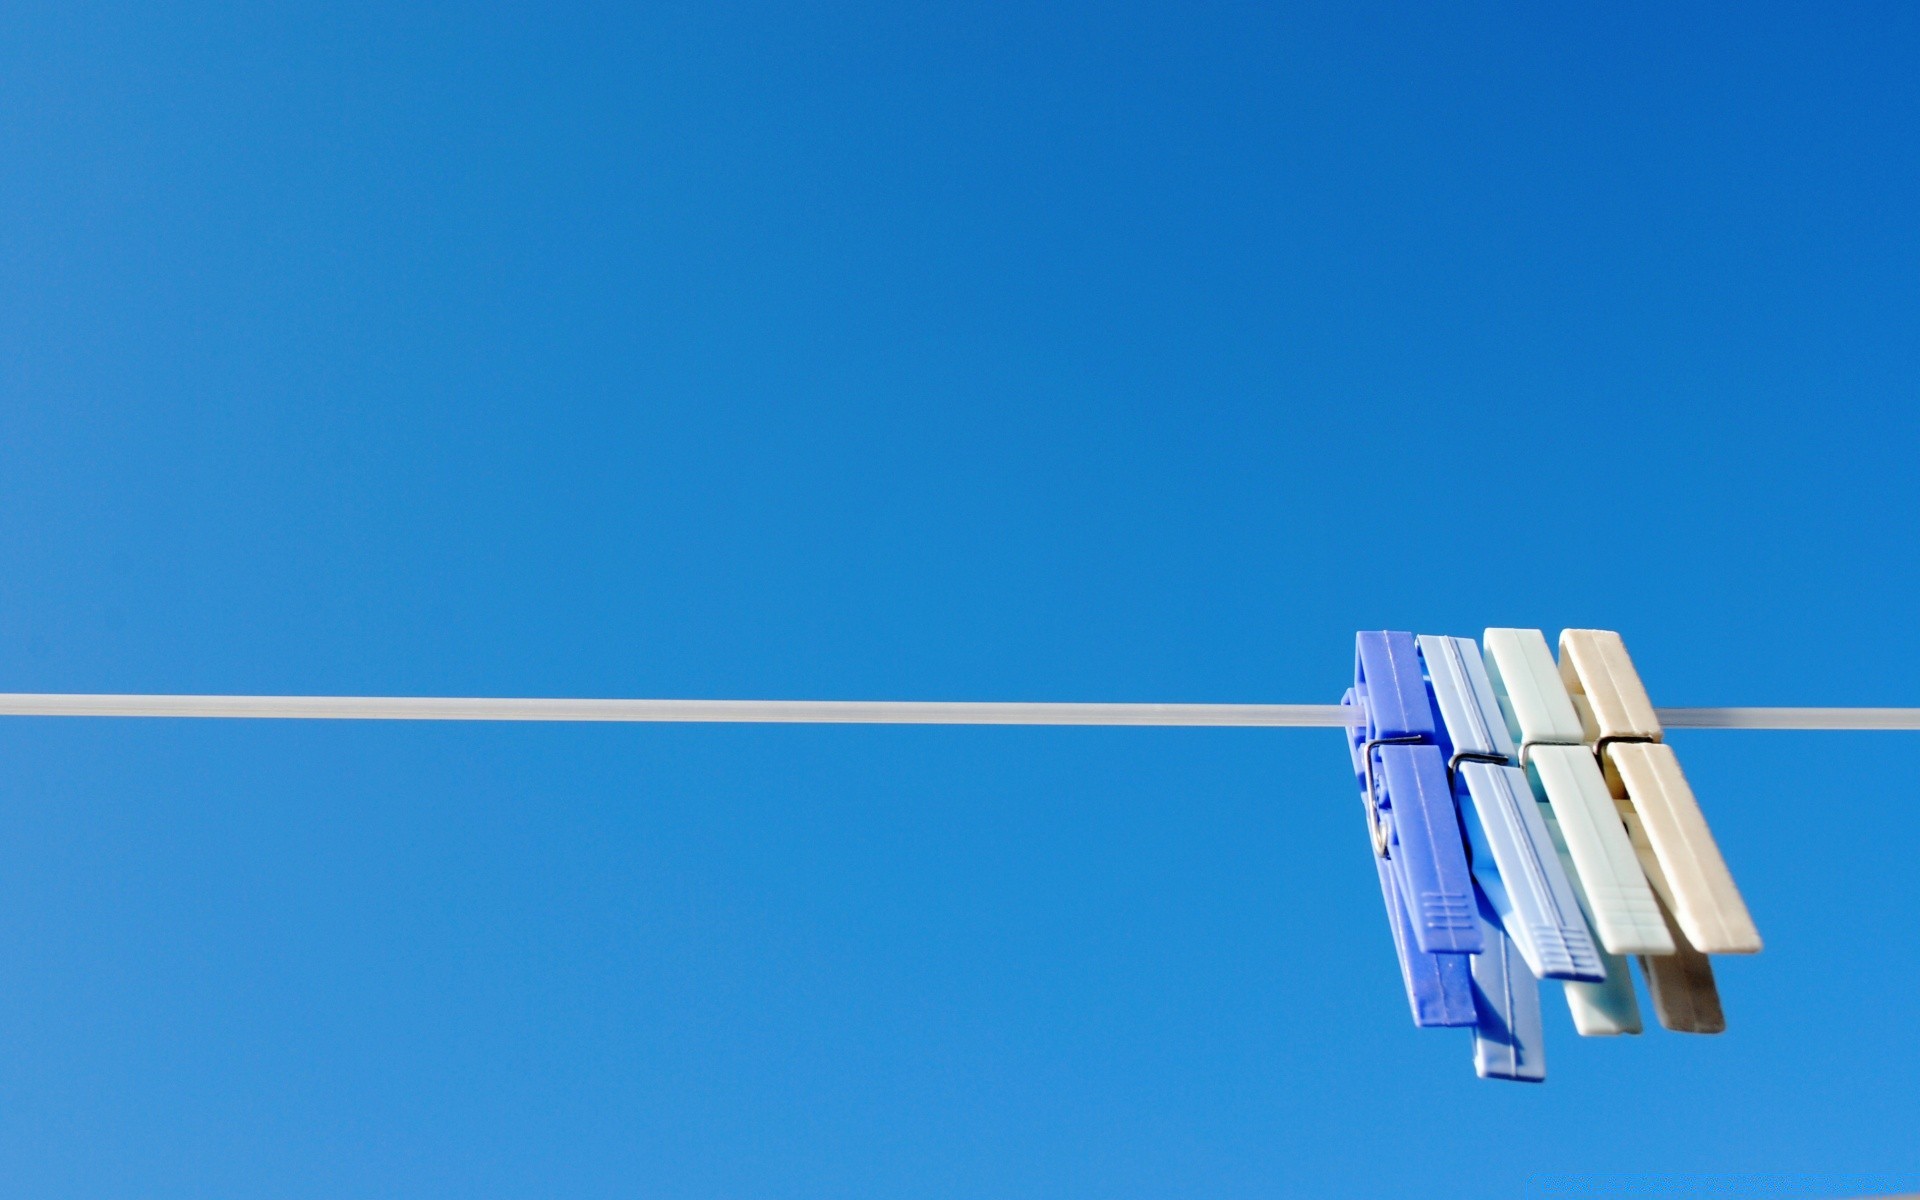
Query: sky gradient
pixel 930 351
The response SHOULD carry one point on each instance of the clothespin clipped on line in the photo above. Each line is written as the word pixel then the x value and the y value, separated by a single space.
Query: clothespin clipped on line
pixel 1642 771
pixel 1551 848
pixel 1414 830
pixel 1694 890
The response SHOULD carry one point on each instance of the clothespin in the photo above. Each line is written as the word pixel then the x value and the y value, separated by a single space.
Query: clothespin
pixel 1514 860
pixel 1642 770
pixel 1553 748
pixel 1415 830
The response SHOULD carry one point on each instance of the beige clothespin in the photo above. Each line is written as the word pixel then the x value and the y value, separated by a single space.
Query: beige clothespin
pixel 1687 869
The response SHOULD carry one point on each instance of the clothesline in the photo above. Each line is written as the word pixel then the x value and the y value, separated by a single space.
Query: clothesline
pixel 1499 864
pixel 843 712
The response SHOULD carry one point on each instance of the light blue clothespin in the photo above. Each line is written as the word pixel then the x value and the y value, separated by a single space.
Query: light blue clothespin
pixel 1514 860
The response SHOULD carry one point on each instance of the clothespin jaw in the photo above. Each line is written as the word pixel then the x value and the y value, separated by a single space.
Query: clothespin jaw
pixel 1386 672
pixel 1513 860
pixel 1552 746
pixel 1686 999
pixel 1409 804
pixel 1608 1008
pixel 1604 1009
pixel 1625 734
pixel 1595 668
pixel 1527 684
pixel 1509 1040
pixel 1472 727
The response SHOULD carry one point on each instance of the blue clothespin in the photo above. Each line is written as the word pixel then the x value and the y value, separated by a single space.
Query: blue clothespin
pixel 1417 844
pixel 1439 986
pixel 1514 860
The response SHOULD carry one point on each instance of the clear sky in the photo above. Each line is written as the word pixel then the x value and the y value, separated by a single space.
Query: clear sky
pixel 919 351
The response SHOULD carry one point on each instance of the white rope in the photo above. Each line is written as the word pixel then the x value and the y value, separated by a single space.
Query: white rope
pixel 842 712
pixel 836 712
pixel 1790 718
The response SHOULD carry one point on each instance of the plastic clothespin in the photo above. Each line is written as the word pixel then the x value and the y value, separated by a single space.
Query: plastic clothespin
pixel 1409 805
pixel 1514 859
pixel 1415 832
pixel 1439 986
pixel 1639 768
pixel 1509 1040
pixel 1553 748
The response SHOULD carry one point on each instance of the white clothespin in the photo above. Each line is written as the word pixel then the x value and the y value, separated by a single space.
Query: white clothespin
pixel 1553 748
pixel 1640 769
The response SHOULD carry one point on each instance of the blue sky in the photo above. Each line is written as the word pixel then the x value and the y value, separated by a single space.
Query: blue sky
pixel 1076 352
